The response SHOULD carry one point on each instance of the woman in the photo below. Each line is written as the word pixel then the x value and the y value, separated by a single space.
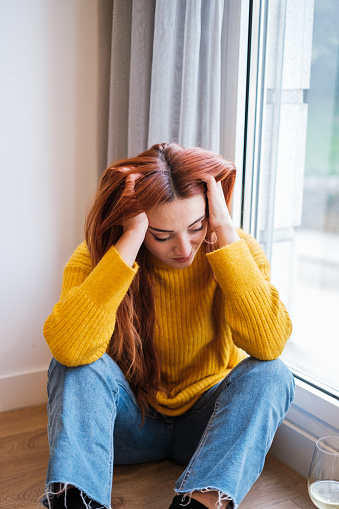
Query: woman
pixel 165 339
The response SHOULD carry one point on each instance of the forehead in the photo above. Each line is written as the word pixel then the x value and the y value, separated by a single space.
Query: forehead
pixel 177 213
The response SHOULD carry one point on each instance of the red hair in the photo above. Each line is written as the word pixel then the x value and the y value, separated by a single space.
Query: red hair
pixel 167 172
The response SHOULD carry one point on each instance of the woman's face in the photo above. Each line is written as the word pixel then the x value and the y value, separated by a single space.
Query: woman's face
pixel 176 231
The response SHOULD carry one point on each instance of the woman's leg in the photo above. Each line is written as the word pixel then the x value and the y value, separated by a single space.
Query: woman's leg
pixel 240 419
pixel 93 420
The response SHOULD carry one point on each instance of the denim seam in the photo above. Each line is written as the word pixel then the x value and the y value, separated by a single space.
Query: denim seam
pixel 225 380
pixel 229 375
pixel 114 390
pixel 198 408
pixel 281 420
pixel 201 444
pixel 120 385
pixel 111 452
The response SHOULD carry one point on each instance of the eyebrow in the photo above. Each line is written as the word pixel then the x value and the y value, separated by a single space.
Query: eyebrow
pixel 171 231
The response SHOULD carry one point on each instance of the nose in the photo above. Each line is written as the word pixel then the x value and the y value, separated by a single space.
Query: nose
pixel 182 248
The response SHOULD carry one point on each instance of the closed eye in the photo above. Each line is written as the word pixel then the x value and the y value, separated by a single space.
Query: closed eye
pixel 162 240
pixel 197 229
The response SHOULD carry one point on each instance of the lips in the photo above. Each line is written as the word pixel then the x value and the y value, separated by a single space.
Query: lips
pixel 183 260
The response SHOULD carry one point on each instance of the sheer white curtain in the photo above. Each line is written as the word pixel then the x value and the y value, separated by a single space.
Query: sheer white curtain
pixel 165 78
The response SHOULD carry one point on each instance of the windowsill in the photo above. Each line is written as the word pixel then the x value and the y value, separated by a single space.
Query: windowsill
pixel 312 415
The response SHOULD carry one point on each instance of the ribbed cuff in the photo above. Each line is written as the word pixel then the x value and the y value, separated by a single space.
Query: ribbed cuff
pixel 235 269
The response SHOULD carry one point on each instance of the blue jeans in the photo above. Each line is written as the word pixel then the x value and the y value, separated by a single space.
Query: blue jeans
pixel 94 423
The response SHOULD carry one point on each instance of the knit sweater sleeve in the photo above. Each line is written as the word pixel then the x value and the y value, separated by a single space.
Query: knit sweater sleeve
pixel 82 322
pixel 259 320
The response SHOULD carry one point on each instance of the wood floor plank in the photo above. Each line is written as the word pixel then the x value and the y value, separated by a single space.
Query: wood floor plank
pixel 23 420
pixel 287 504
pixel 152 485
pixel 24 457
pixel 304 502
pixel 24 494
pixel 28 450
pixel 277 484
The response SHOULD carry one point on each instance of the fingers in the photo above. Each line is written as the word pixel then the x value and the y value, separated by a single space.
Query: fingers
pixel 130 183
pixel 210 181
pixel 137 219
pixel 212 184
pixel 214 188
pixel 218 211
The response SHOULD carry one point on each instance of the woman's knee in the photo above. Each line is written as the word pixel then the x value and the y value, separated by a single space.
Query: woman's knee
pixel 277 369
pixel 102 372
pixel 268 377
pixel 275 376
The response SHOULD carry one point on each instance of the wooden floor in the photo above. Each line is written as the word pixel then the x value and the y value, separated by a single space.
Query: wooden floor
pixel 24 456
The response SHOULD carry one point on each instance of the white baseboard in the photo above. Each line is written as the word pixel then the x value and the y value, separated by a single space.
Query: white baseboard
pixel 23 390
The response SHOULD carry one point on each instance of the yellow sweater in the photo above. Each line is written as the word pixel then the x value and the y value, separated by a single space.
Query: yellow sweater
pixel 203 329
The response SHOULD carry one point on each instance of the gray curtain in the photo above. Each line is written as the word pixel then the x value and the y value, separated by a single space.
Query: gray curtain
pixel 165 74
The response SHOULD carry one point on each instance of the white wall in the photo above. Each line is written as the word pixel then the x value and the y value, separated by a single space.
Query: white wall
pixel 49 168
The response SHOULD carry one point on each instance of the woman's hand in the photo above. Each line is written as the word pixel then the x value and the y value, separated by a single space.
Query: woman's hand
pixel 134 229
pixel 219 217
pixel 139 223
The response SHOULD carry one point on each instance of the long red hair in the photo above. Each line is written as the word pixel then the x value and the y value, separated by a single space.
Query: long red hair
pixel 167 172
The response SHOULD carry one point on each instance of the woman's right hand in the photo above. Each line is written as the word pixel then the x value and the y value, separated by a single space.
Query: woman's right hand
pixel 133 229
pixel 138 224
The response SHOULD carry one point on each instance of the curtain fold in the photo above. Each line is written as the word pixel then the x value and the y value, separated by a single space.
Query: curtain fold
pixel 165 74
pixel 119 80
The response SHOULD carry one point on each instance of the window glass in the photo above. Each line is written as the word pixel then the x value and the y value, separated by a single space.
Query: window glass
pixel 298 183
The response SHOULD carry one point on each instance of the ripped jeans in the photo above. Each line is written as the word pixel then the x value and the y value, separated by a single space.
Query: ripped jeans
pixel 94 423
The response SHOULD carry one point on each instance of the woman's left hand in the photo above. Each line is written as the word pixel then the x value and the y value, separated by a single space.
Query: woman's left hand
pixel 219 218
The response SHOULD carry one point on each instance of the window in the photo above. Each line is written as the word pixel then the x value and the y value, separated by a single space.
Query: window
pixel 294 187
pixel 314 348
pixel 291 195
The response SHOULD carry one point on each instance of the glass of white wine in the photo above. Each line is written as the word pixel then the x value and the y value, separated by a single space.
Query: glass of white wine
pixel 323 477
